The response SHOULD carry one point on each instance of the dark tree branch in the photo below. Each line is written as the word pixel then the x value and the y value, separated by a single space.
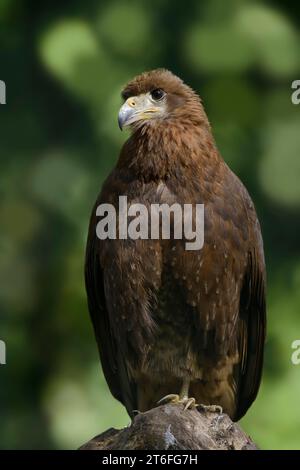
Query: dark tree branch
pixel 169 427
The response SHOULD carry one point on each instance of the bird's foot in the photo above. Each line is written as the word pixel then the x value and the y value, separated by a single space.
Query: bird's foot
pixel 211 408
pixel 171 398
pixel 189 403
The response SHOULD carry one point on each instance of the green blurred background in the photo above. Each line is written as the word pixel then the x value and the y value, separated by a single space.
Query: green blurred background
pixel 64 64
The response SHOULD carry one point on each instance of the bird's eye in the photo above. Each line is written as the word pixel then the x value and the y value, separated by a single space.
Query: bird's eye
pixel 157 94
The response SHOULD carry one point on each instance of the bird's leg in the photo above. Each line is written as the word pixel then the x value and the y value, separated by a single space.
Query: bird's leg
pixel 184 392
pixel 191 402
pixel 184 395
pixel 182 398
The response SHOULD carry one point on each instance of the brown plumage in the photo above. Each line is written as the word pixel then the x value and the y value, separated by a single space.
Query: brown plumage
pixel 162 315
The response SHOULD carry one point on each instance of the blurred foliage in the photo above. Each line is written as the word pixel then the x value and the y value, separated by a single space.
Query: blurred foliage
pixel 64 64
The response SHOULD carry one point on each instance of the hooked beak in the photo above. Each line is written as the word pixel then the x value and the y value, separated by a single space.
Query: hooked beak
pixel 137 109
pixel 127 113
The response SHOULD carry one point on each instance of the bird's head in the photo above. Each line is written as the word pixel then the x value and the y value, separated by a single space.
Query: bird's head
pixel 158 95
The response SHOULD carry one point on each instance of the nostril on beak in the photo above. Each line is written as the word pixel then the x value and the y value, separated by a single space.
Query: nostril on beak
pixel 131 102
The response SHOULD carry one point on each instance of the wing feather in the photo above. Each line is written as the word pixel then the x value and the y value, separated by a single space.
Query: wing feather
pixel 113 363
pixel 252 329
